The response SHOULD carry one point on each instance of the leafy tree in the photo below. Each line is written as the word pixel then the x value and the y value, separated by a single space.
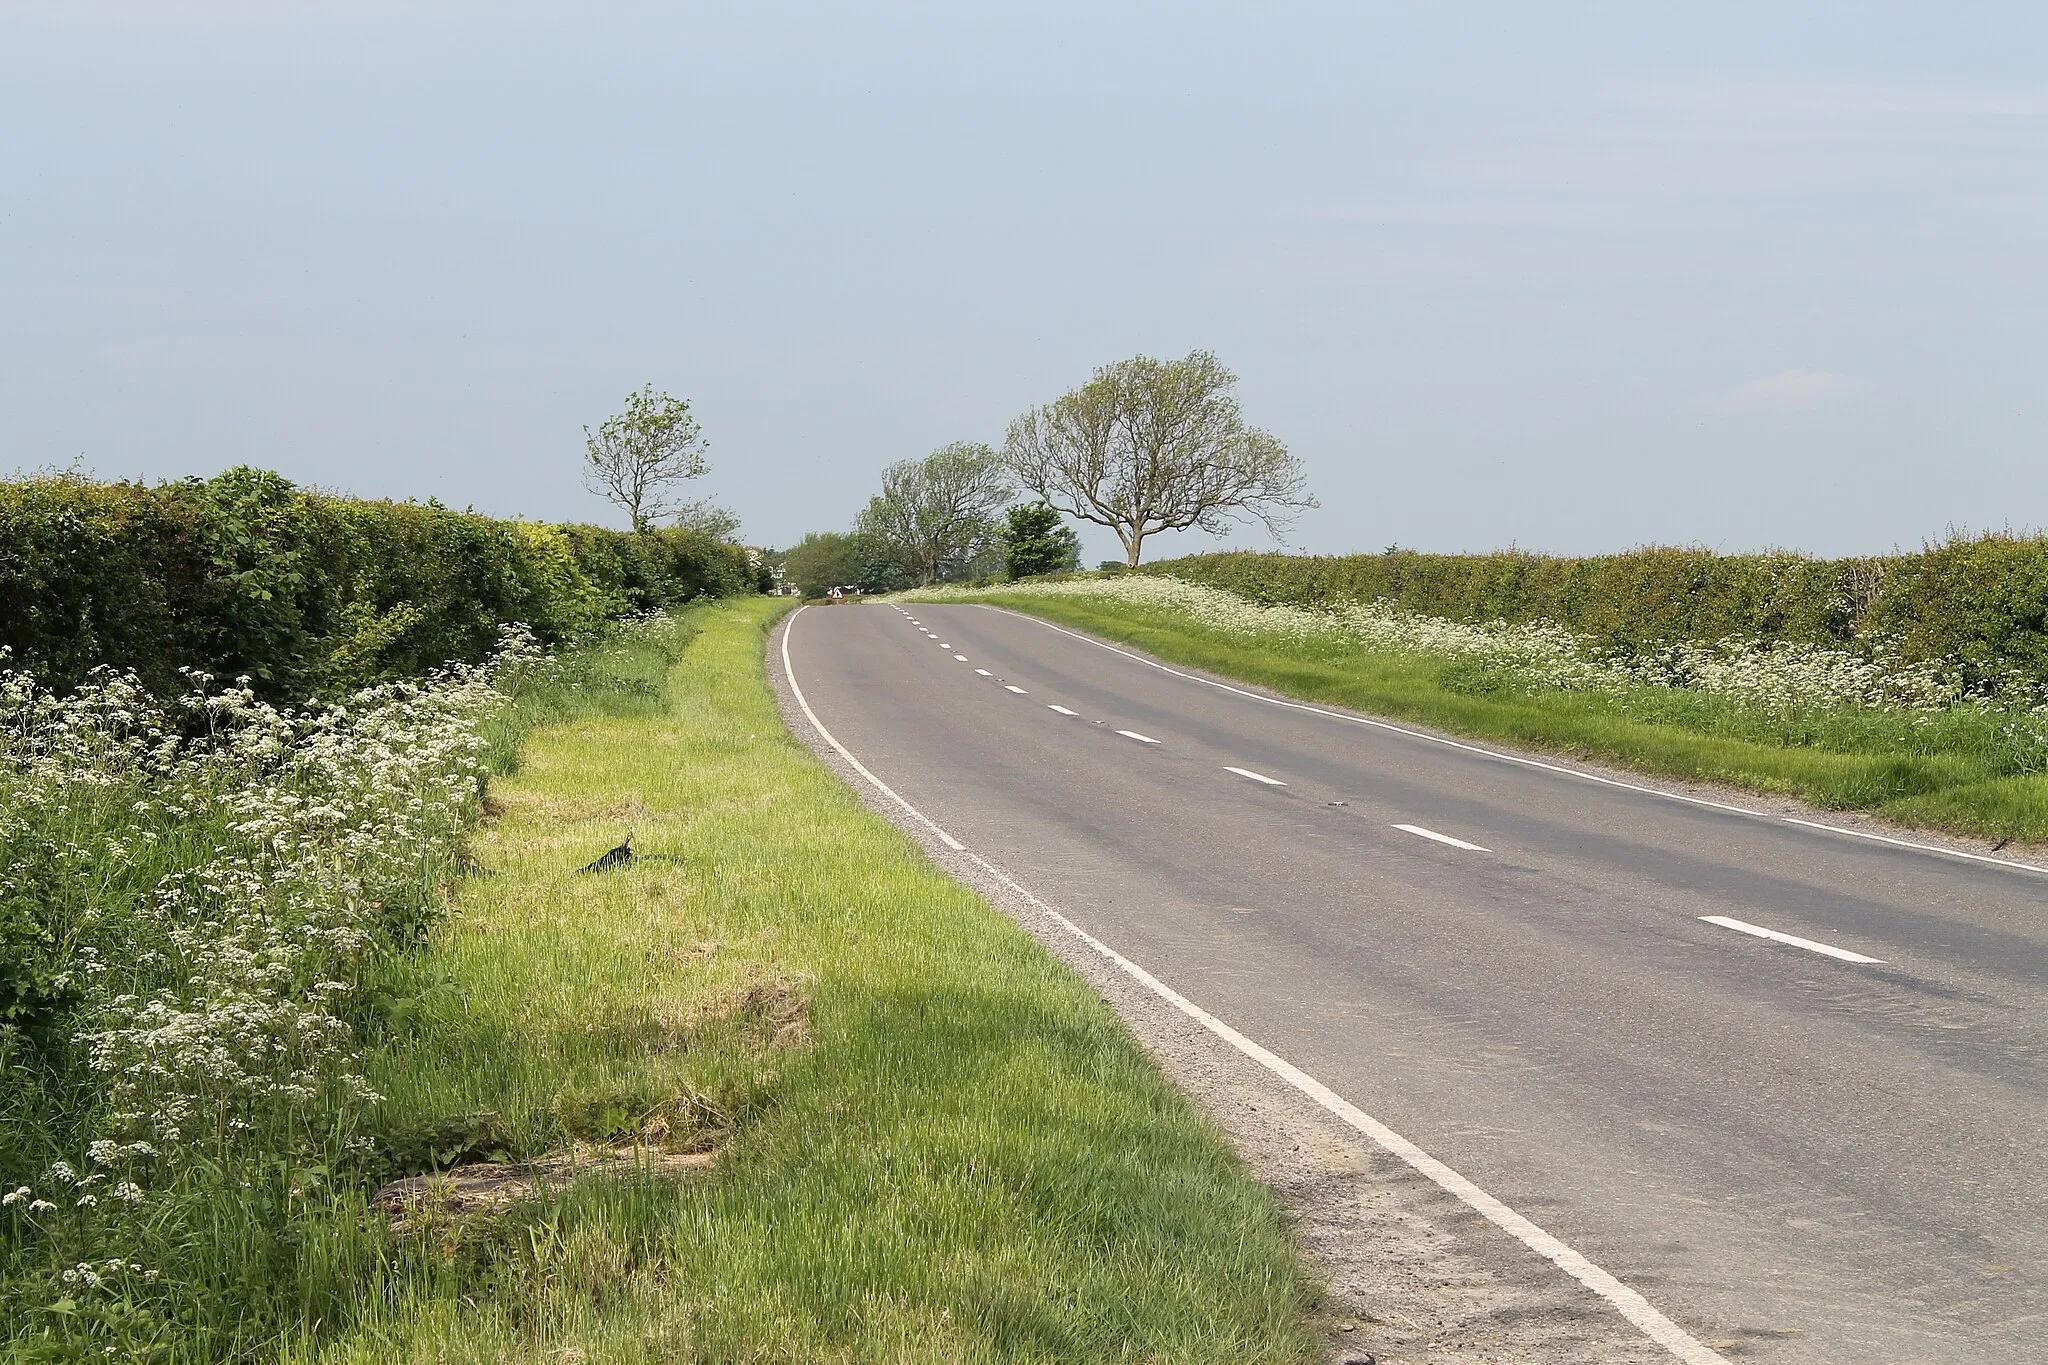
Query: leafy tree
pixel 1036 541
pixel 1149 445
pixel 820 562
pixel 938 511
pixel 706 518
pixel 640 455
pixel 824 560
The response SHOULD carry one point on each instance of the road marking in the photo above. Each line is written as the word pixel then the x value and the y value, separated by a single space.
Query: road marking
pixel 942 643
pixel 1256 777
pixel 1907 843
pixel 1063 710
pixel 789 672
pixel 1626 1301
pixel 1012 687
pixel 1829 950
pixel 984 673
pixel 1133 734
pixel 1500 757
pixel 961 657
pixel 1441 838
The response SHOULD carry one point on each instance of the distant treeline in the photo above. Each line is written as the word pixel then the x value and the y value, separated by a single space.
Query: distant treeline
pixel 1983 602
pixel 305 593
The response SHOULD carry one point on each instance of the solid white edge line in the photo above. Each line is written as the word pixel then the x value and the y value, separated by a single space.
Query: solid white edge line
pixel 1441 838
pixel 789 671
pixel 1501 757
pixel 1826 949
pixel 1256 777
pixel 1133 734
pixel 1628 1302
pixel 1908 843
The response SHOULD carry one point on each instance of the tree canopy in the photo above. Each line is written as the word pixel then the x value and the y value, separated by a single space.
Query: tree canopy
pixel 639 456
pixel 824 560
pixel 939 511
pixel 1149 445
pixel 1036 541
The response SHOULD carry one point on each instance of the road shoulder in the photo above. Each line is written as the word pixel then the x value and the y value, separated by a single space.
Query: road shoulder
pixel 1412 1273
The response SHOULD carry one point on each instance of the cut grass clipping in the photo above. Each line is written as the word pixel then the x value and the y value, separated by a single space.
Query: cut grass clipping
pixel 931 1142
pixel 1956 771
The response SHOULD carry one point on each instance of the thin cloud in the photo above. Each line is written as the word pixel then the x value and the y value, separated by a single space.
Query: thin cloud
pixel 1790 390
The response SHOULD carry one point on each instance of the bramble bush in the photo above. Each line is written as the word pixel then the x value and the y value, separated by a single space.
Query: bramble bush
pixel 307 594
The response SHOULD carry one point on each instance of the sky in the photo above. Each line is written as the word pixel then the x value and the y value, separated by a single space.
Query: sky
pixel 1569 277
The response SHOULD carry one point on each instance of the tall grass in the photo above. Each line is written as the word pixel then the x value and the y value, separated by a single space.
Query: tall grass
pixel 931 1142
pixel 203 905
pixel 934 1143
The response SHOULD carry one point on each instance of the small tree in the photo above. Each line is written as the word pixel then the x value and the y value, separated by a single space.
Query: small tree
pixel 639 457
pixel 1036 541
pixel 1149 445
pixel 938 511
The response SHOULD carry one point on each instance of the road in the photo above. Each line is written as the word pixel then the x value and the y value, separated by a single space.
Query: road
pixel 1783 1144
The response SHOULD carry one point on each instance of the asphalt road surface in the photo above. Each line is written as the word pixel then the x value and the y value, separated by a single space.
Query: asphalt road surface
pixel 1828 1149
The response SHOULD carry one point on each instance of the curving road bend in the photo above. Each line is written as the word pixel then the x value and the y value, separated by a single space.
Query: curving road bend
pixel 1788 1083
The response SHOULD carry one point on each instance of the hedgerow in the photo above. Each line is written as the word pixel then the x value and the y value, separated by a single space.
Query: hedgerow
pixel 1981 604
pixel 307 594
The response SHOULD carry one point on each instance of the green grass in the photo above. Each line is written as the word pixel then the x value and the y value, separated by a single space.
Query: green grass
pixel 934 1142
pixel 1954 772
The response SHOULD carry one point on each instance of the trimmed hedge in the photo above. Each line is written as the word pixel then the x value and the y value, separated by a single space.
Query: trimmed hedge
pixel 1983 602
pixel 307 594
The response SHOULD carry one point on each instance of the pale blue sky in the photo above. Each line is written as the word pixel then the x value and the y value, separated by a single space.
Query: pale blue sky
pixel 1574 277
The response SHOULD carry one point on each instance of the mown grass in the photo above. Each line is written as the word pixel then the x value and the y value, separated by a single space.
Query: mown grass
pixel 933 1142
pixel 1954 772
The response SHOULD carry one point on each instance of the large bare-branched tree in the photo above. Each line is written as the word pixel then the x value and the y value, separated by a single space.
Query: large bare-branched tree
pixel 1156 445
pixel 640 456
pixel 940 511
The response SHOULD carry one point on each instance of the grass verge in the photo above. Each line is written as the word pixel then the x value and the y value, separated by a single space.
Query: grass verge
pixel 1949 772
pixel 934 1143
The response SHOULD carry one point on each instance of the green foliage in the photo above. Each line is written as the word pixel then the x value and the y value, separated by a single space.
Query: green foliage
pixel 640 454
pixel 1983 601
pixel 35 975
pixel 824 560
pixel 304 593
pixel 251 1223
pixel 936 514
pixel 1037 541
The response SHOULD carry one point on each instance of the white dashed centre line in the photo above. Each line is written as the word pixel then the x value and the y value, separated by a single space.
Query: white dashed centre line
pixel 944 645
pixel 1012 687
pixel 1759 931
pixel 1133 734
pixel 984 673
pixel 1256 777
pixel 961 657
pixel 1441 838
pixel 1063 710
